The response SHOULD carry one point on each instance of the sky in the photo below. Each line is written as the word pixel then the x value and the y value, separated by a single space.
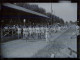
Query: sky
pixel 67 11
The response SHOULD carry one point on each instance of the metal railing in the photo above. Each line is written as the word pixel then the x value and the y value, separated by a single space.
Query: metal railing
pixel 28 33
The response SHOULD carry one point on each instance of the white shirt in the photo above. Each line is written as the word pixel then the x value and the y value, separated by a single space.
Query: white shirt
pixel 30 30
pixel 19 30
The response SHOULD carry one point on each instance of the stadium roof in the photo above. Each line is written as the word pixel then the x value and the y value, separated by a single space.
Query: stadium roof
pixel 23 9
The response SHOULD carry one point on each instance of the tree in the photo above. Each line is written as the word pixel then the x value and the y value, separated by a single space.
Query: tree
pixel 20 4
pixel 66 22
pixel 61 21
pixel 53 19
pixel 71 22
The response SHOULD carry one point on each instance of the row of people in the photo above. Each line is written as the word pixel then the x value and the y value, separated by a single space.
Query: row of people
pixel 41 29
pixel 38 32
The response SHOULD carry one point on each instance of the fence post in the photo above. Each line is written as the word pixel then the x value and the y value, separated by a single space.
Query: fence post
pixel 12 33
pixel 18 32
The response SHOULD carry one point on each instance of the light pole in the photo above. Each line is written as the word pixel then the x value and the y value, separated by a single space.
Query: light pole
pixel 51 14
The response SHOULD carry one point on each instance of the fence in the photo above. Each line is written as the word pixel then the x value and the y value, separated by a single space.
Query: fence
pixel 9 34
pixel 34 33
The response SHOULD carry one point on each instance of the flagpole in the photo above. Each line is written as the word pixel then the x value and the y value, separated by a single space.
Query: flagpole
pixel 51 13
